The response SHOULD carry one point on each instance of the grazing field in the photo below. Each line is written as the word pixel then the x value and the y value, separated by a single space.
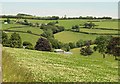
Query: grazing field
pixel 24 65
pixel 68 36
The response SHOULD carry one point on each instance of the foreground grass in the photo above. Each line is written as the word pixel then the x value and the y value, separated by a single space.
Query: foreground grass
pixel 22 65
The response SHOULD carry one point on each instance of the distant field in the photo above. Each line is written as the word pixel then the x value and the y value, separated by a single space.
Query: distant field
pixel 107 24
pixel 27 37
pixel 69 23
pixel 22 65
pixel 68 36
pixel 7 26
pixel 98 31
pixel 111 24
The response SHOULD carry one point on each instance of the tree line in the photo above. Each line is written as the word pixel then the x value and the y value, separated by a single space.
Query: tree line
pixel 27 16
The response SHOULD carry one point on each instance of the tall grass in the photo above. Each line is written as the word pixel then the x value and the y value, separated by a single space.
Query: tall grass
pixel 13 72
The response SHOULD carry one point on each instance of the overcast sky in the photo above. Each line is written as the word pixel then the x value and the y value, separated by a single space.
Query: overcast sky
pixel 61 8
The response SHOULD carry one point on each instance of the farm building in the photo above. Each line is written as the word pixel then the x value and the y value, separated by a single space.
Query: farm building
pixel 59 51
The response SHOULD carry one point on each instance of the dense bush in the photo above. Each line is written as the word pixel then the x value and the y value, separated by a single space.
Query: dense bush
pixel 43 45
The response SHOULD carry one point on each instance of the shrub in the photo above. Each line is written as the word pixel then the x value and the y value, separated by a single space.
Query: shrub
pixel 86 51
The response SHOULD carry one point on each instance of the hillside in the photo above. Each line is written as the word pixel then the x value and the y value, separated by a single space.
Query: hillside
pixel 24 65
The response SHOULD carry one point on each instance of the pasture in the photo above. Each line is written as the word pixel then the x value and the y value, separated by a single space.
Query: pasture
pixel 68 36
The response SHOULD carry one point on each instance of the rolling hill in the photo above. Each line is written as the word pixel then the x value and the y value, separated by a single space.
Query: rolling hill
pixel 22 65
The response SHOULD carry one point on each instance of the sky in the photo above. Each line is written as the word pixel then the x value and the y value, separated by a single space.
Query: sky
pixel 71 9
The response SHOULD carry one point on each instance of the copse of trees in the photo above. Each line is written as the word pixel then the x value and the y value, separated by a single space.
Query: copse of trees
pixel 43 45
pixel 53 27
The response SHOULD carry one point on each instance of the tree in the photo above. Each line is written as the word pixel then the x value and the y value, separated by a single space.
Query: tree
pixel 4 39
pixel 43 45
pixel 113 47
pixel 15 40
pixel 102 43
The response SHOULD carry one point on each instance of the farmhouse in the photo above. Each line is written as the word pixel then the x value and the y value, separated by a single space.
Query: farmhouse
pixel 59 51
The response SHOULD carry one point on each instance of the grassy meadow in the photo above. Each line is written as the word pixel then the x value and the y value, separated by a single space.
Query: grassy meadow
pixel 68 36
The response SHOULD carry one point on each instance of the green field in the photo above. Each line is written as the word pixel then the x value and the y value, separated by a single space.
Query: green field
pixel 68 36
pixel 107 24
pixel 35 30
pixel 7 26
pixel 69 23
pixel 27 37
pixel 22 65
